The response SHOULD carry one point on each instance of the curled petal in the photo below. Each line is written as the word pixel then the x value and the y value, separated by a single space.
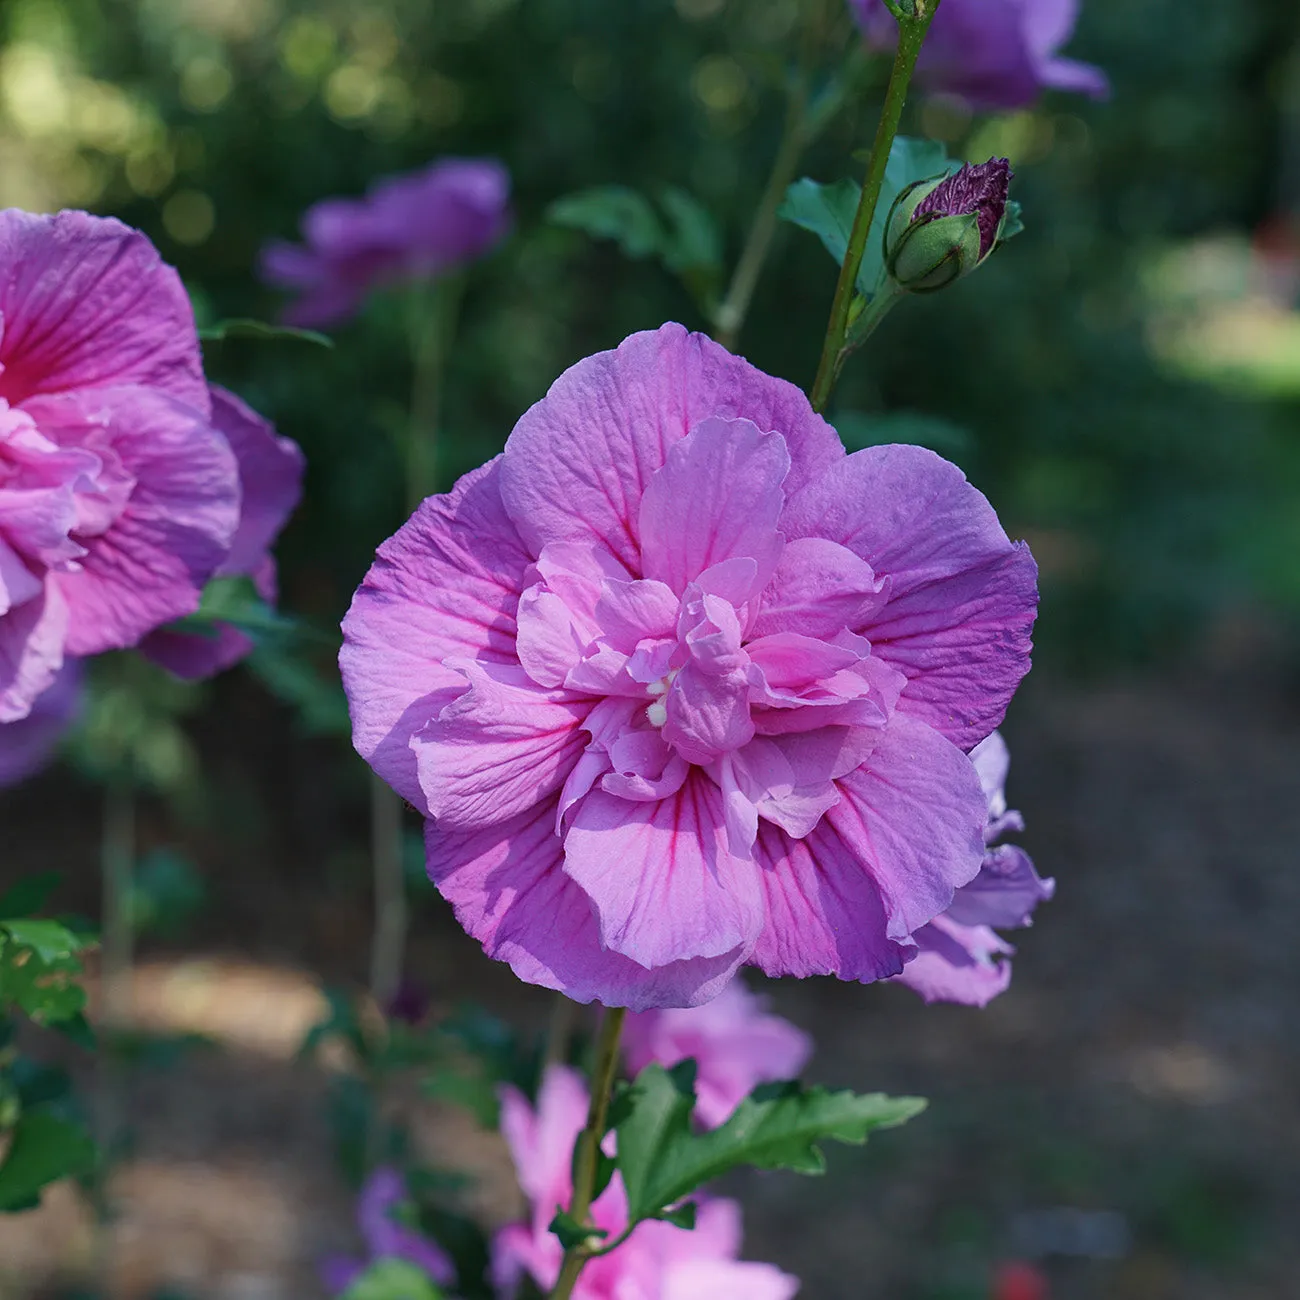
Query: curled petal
pixel 957 963
pixel 510 891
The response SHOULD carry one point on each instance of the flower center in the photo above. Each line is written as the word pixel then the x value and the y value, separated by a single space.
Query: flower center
pixel 657 710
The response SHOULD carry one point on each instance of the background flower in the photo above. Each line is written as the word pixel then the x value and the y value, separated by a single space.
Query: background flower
pixel 657 1262
pixel 682 685
pixel 411 227
pixel 385 1237
pixel 957 957
pixel 995 54
pixel 118 497
pixel 270 483
pixel 733 1041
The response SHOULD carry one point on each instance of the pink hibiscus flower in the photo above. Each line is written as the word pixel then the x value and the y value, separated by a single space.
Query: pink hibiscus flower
pixel 682 685
pixel 413 227
pixel 958 953
pixel 657 1262
pixel 734 1042
pixel 119 496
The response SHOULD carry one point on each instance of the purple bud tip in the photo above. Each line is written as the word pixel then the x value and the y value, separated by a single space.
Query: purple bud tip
pixel 410 1003
pixel 980 188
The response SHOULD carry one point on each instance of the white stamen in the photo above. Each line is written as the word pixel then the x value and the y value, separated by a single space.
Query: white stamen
pixel 657 713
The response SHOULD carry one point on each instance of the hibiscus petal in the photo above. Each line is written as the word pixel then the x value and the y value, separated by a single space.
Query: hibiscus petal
pixel 151 563
pixel 577 463
pixel 717 497
pixel 31 651
pixel 87 302
pixel 962 598
pixel 445 584
pixel 499 748
pixel 825 912
pixel 510 891
pixel 916 812
pixel 885 860
pixel 662 880
pixel 1005 892
pixel 707 1279
pixel 955 963
pixel 819 587
pixel 270 480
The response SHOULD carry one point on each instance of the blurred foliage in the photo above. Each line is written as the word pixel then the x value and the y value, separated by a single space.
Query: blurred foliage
pixel 1152 499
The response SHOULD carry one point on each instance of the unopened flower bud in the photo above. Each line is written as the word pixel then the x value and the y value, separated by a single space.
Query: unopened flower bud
pixel 941 229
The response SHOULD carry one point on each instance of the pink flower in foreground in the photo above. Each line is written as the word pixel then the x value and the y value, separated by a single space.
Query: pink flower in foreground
pixel 270 482
pixel 657 1262
pixel 958 951
pixel 733 1041
pixel 118 497
pixel 682 685
pixel 413 227
pixel 27 745
pixel 386 1237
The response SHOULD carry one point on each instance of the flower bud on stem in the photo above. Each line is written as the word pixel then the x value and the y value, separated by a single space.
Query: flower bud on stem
pixel 912 29
pixel 587 1152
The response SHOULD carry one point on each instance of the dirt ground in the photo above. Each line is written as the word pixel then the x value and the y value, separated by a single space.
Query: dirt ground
pixel 1127 1115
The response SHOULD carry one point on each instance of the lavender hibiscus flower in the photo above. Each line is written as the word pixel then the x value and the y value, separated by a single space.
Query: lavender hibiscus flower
pixel 413 227
pixel 681 685
pixel 994 54
pixel 959 951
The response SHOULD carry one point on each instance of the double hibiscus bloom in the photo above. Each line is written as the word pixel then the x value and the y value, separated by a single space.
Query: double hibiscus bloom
pixel 681 686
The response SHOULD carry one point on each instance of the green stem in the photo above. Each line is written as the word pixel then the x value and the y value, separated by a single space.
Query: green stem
pixel 586 1159
pixel 911 36
pixel 735 306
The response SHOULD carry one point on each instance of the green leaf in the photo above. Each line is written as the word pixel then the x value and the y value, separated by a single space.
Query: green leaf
pixel 236 602
pixel 1012 224
pixel 612 212
pixel 45 1148
pixel 778 1126
pixel 683 236
pixel 49 940
pixel 859 430
pixel 242 328
pixel 29 894
pixel 393 1279
pixel 680 1216
pixel 828 210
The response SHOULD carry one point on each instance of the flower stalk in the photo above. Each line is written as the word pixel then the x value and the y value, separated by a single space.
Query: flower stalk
pixel 912 29
pixel 586 1158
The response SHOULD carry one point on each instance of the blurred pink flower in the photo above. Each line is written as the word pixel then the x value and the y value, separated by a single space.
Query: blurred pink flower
pixel 27 745
pixel 386 1238
pixel 657 1262
pixel 412 227
pixel 994 54
pixel 682 685
pixel 957 958
pixel 734 1042
pixel 270 482
pixel 118 497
